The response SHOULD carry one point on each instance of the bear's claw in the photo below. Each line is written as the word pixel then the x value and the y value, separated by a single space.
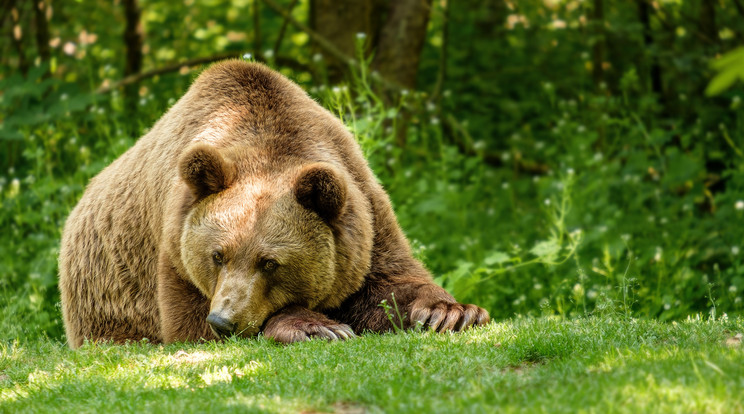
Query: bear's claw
pixel 445 316
pixel 290 328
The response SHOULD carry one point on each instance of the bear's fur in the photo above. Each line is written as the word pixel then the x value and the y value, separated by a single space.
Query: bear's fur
pixel 247 207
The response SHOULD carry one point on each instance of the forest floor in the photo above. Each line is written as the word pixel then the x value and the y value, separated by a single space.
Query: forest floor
pixel 594 364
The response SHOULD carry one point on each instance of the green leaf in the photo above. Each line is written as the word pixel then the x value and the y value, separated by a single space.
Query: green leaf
pixel 723 81
pixel 730 67
pixel 546 249
pixel 496 257
pixel 732 58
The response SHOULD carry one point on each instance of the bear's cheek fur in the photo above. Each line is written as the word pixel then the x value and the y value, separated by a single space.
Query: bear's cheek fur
pixel 196 254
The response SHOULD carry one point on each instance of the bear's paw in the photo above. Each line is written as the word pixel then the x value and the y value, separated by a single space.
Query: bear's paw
pixel 299 324
pixel 447 316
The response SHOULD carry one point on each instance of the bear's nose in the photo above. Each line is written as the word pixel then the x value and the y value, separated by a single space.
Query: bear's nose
pixel 220 326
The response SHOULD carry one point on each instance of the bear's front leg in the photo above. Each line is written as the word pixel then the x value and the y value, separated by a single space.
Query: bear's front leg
pixel 183 308
pixel 418 300
pixel 295 323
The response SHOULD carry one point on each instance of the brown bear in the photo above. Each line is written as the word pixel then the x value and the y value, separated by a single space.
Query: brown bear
pixel 246 208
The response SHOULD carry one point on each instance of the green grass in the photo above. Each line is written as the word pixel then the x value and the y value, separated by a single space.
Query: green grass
pixel 533 365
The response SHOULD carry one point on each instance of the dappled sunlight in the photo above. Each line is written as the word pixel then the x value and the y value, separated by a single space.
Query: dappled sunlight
pixel 183 357
pixel 486 334
pixel 138 373
pixel 229 374
pixel 665 395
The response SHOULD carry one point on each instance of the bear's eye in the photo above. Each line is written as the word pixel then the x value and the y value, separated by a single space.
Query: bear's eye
pixel 217 257
pixel 268 265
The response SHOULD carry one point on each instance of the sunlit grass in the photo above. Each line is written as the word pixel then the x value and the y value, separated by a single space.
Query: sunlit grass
pixel 535 365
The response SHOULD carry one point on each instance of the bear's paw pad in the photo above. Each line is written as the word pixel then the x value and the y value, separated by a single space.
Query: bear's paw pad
pixel 448 316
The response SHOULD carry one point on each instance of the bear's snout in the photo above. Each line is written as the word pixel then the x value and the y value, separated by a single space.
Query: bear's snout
pixel 220 326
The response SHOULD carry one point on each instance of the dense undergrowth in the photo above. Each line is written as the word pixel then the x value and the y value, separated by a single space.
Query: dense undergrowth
pixel 533 194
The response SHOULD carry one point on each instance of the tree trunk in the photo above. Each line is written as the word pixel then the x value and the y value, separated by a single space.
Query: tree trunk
pixel 16 36
pixel 599 43
pixel 42 29
pixel 648 41
pixel 340 21
pixel 402 38
pixel 133 43
pixel 707 23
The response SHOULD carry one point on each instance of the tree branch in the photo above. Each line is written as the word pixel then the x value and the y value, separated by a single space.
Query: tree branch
pixel 739 7
pixel 328 47
pixel 257 30
pixel 280 37
pixel 324 43
pixel 137 77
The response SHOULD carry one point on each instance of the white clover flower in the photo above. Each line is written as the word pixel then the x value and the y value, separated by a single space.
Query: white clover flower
pixel 657 255
pixel 268 54
pixel 739 205
pixel 546 201
pixel 732 289
pixel 247 56
pixel 361 35
pixel 15 188
pixel 735 250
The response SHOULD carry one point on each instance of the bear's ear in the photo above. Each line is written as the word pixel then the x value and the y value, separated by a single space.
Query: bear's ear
pixel 322 189
pixel 205 170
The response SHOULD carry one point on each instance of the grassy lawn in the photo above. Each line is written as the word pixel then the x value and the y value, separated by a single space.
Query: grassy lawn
pixel 534 365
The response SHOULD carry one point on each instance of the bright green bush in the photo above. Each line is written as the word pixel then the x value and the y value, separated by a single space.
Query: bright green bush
pixel 522 187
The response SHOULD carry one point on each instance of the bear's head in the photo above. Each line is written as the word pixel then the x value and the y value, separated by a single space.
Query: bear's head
pixel 260 238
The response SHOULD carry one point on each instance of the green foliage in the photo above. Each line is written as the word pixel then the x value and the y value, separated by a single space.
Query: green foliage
pixel 730 68
pixel 524 186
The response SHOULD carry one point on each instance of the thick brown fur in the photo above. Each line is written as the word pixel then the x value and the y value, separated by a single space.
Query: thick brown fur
pixel 249 201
